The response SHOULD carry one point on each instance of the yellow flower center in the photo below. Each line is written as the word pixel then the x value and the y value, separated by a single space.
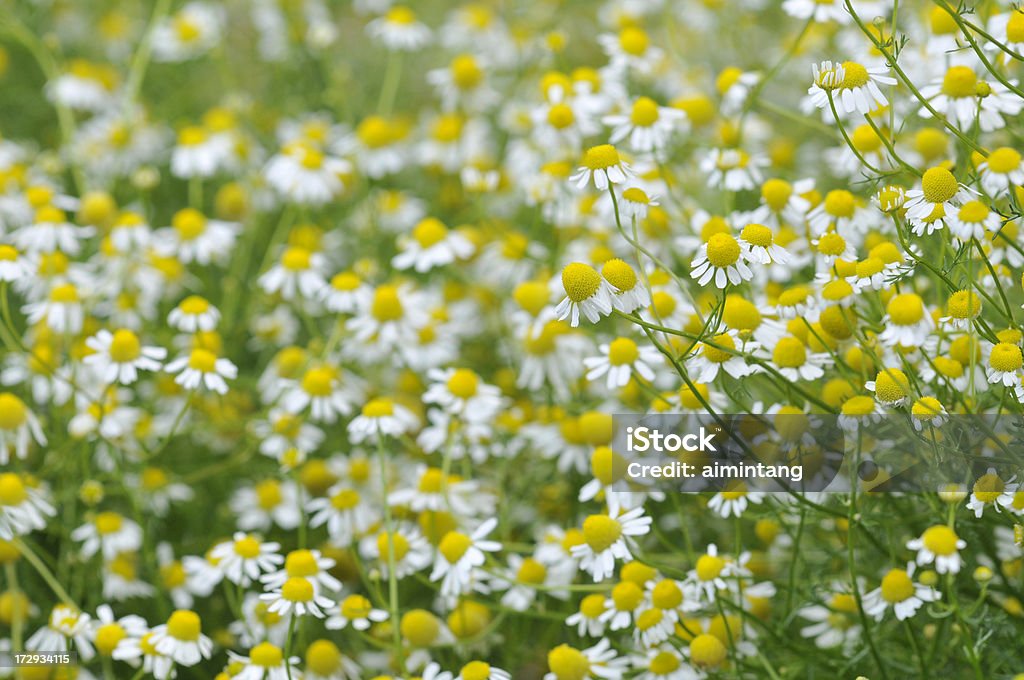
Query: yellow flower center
pixel 193 135
pixel 189 223
pixel 1006 357
pixel 297 589
pixel 475 670
pixel 125 346
pixel 429 232
pixel 664 664
pixel 454 545
pixel 466 72
pixel 568 663
pixel 627 596
pixel 375 132
pixel 399 545
pixel 707 651
pixel 633 41
pixel 601 531
pixel 926 408
pixel 723 250
pixel 709 567
pixel 789 352
pixel 463 383
pixel 184 625
pixel 268 494
pixel 717 355
pixel 560 116
pixel 1004 160
pixel 531 571
pixel 1015 27
pixel 973 212
pixel 855 75
pixel 905 309
pixel 622 352
pixel 938 185
pixel 355 607
pixel 858 406
pixel 266 655
pixel 757 235
pixel 601 157
pixel 645 112
pixel 387 305
pixel 7 253
pixel 346 281
pixel 65 293
pixel 401 15
pixel 247 547
pixel 296 259
pixel 891 385
pixel 108 636
pixel 319 381
pixel 13 412
pixel 940 540
pixel 840 203
pixel 866 139
pixel 897 586
pixel 959 81
pixel 964 304
pixel 580 281
pixel 323 657
pixel 108 523
pixel 202 360
pixel 649 618
pixel 989 487
pixel 12 489
pixel 776 193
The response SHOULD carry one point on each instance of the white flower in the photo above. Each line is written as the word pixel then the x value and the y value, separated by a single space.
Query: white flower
pixel 245 558
pixel 23 509
pixel 607 538
pixel 298 272
pixel 203 368
pixel 898 590
pixel 430 245
pixel 602 165
pixel 991 490
pixel 399 30
pixel 181 639
pixel 620 359
pixel 941 545
pixel 110 531
pixel 381 416
pixel 459 557
pixel 355 610
pixel 586 292
pixel 120 355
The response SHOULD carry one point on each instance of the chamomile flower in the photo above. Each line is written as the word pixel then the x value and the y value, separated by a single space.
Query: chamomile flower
pixel 23 508
pixel 1000 170
pixel 941 545
pixel 928 411
pixel 899 591
pixel 430 245
pixel 459 557
pixel 1004 364
pixel 324 661
pixel 399 29
pixel 602 165
pixel 962 97
pixel 628 293
pixel 354 610
pixel 859 412
pixel 192 237
pixel 938 189
pixel 631 49
pixel 481 670
pixel 65 630
pixel 109 531
pixel 907 321
pixel 297 273
pixel 194 314
pixel 18 428
pixel 193 30
pixel 245 558
pixel 13 266
pixel 991 489
pixel 381 416
pixel 647 125
pixel 722 260
pixel 734 500
pixel 408 547
pixel 588 619
pixel 181 639
pixel 620 359
pixel 203 368
pixel 304 174
pixel 266 661
pixel 199 153
pixel 851 86
pixel 600 662
pixel 759 245
pixel 732 169
pixel 721 354
pixel 119 356
pixel 607 537
pixel 973 220
pixel 297 596
pixel 891 386
pixel 586 292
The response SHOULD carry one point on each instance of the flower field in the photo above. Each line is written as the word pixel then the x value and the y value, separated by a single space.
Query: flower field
pixel 319 321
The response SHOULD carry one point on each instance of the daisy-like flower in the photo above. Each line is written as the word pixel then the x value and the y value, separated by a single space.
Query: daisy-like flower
pixel 399 29
pixel 344 511
pixel 18 427
pixel 199 153
pixel 859 412
pixel 624 601
pixel 636 203
pixel 631 49
pixel 973 219
pixel 734 499
pixel 1007 28
pixel 85 86
pixel 322 390
pixel 430 245
pixel 192 237
pixel 61 310
pixel 662 662
pixel 458 558
pixel 962 98
pixel 607 537
pixel 23 508
pixel 112 635
pixel 324 661
pixel 928 411
pixel 202 367
pixel 265 662
pixel 119 356
pixel 181 639
pixel 852 86
pixel 620 359
pixel 600 662
pixel 65 628
pixel 1000 170
pixel 628 294
pixel 112 532
pixel 899 591
pixel 343 292
pixel 297 596
pixel 941 545
pixel 194 314
pixel 647 126
pixel 309 565
pixel 602 165
pixel 721 260
pixel 938 189
pixel 992 490
pixel 721 354
pixel 411 551
pixel 834 623
pixel 907 321
pixel 480 670
pixel 354 610
pixel 1004 364
pixel 759 245
pixel 891 386
pixel 586 292
pixel 303 174
pixel 587 619
pixel 732 169
pixel 381 416
pixel 245 558
pixel 298 272
pixel 195 29
pixel 13 266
